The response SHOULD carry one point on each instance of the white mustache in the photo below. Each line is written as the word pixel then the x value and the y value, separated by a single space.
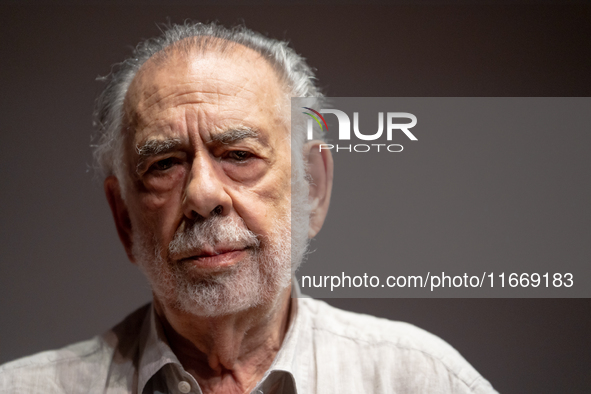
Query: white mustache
pixel 200 234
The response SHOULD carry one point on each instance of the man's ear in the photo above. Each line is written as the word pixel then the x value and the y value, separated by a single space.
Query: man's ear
pixel 120 214
pixel 320 170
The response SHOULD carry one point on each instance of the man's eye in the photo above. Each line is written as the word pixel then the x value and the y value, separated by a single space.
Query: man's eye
pixel 164 164
pixel 239 155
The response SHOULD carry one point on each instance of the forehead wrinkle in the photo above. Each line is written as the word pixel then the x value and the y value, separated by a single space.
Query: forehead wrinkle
pixel 143 113
pixel 203 68
pixel 139 102
pixel 158 97
pixel 160 126
pixel 167 119
pixel 199 76
pixel 184 81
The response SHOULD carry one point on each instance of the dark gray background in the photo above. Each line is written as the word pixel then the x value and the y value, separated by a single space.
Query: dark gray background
pixel 64 276
pixel 493 185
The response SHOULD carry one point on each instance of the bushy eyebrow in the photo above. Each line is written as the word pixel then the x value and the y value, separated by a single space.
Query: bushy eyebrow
pixel 231 136
pixel 155 147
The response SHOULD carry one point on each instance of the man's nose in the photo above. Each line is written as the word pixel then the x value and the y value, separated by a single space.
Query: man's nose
pixel 205 194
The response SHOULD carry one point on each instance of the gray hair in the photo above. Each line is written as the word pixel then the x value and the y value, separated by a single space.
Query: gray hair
pixel 291 68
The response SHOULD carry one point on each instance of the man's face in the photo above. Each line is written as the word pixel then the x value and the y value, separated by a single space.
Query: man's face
pixel 209 192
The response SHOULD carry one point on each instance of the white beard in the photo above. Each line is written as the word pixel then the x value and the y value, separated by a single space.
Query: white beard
pixel 257 279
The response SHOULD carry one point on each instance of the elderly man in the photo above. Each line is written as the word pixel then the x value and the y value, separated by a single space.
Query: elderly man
pixel 215 202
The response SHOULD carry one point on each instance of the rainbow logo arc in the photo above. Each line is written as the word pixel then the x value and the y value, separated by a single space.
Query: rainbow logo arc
pixel 315 118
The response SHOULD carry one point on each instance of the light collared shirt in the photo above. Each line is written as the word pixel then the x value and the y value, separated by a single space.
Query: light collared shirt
pixel 325 350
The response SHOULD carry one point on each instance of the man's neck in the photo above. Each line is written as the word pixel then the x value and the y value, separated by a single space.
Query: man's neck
pixel 228 353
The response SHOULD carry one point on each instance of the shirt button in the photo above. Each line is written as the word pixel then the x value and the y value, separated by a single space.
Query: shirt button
pixel 184 387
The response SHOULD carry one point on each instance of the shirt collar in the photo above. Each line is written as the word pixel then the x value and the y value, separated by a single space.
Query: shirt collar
pixel 155 352
pixel 286 367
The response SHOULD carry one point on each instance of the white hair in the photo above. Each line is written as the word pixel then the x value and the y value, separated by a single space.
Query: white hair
pixel 109 121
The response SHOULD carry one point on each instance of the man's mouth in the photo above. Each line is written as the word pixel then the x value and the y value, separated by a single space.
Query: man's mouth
pixel 216 259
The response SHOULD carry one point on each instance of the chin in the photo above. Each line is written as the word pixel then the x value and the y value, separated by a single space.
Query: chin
pixel 255 282
pixel 258 279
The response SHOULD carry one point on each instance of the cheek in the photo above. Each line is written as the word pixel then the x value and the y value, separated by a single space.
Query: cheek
pixel 152 203
pixel 262 206
pixel 160 184
pixel 156 192
pixel 159 207
pixel 246 173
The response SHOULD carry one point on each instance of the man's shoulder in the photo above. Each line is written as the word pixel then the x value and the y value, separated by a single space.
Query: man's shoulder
pixel 79 367
pixel 52 371
pixel 395 350
pixel 372 330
